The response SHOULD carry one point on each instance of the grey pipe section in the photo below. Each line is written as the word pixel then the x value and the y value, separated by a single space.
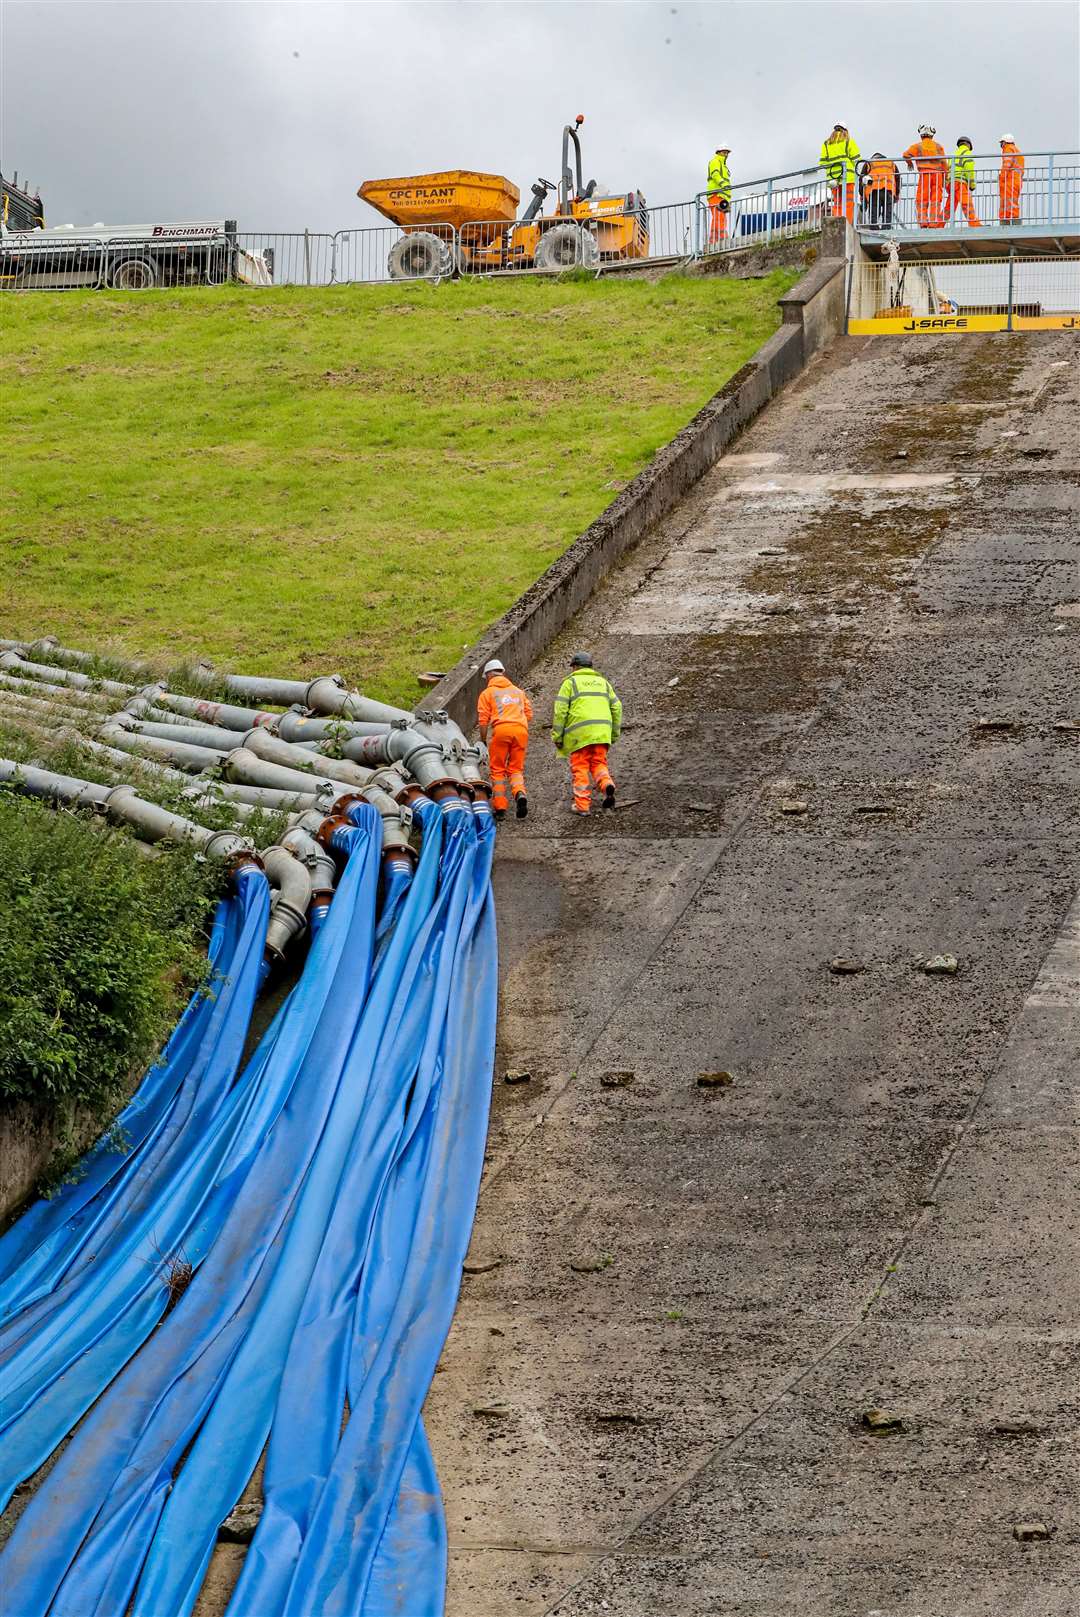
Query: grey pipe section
pixel 44 783
pixel 330 695
pixel 222 713
pixel 288 917
pixel 197 735
pixel 422 758
pixel 305 729
pixel 14 664
pixel 182 753
pixel 78 659
pixel 153 822
pixel 242 765
pixel 276 751
pixel 59 693
pixel 122 803
pixel 319 862
pixel 260 688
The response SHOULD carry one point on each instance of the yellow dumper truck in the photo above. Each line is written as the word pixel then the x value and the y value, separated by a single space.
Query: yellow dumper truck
pixel 459 220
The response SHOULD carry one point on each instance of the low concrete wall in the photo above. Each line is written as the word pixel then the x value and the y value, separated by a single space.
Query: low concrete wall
pixel 813 313
pixel 28 1145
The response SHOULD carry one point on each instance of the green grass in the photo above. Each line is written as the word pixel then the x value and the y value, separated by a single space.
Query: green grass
pixel 359 478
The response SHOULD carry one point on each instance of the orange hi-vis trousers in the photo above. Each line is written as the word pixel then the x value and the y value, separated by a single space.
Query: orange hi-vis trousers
pixel 717 219
pixel 586 762
pixel 843 202
pixel 962 203
pixel 928 200
pixel 1009 183
pixel 506 757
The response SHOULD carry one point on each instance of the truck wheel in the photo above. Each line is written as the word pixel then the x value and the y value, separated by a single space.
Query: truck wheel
pixel 133 275
pixel 420 256
pixel 564 247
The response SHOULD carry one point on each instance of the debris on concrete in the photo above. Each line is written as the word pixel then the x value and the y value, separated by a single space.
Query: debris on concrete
pixel 617 1079
pixel 239 1526
pixel 625 1417
pixel 901 454
pixel 779 609
pixel 873 808
pixel 941 965
pixel 481 1266
pixel 1032 1532
pixel 592 1264
pixel 996 726
pixel 843 966
pixel 881 1423
pixel 1015 1428
pixel 698 808
pixel 517 1077
pixel 793 805
pixel 673 682
pixel 773 550
pixel 491 1411
pixel 715 1080
pixel 1070 726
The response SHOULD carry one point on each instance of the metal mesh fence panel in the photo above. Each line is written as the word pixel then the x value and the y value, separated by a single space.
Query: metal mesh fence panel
pixel 990 294
pixel 283 258
pixel 387 253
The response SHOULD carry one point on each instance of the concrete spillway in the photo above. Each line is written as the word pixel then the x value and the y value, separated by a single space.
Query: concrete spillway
pixel 850 665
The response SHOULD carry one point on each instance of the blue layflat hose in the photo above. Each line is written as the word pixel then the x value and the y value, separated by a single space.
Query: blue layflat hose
pixel 160 1399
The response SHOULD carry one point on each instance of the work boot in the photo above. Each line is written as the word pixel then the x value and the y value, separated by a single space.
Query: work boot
pixel 500 814
pixel 575 810
pixel 609 797
pixel 522 803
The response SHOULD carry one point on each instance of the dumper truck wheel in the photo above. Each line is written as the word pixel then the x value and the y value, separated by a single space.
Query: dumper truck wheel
pixel 564 247
pixel 133 275
pixel 420 256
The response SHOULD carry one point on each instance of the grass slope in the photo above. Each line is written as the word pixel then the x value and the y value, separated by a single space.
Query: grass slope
pixel 359 478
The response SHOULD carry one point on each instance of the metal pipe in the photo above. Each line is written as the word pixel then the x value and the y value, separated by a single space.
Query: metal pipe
pixel 182 753
pixel 276 751
pixel 37 688
pixel 221 713
pixel 242 765
pixel 422 758
pixel 198 735
pixel 288 916
pixel 263 689
pixel 299 726
pixel 330 695
pixel 44 783
pixel 14 664
pixel 122 803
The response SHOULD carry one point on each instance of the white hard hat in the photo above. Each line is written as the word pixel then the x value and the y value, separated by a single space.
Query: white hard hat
pixel 494 667
pixel 1010 138
pixel 927 129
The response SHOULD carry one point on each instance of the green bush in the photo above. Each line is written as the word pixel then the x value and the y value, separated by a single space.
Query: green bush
pixel 99 948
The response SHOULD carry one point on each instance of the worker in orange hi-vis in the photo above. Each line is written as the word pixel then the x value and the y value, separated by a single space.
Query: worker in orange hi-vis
pixel 503 713
pixel 926 155
pixel 1010 181
pixel 961 197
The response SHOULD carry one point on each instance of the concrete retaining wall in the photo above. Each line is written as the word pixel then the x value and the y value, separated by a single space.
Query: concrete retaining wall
pixel 812 314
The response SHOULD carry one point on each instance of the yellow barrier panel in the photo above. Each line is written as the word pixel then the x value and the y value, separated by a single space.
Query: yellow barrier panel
pixel 927 325
pixel 1046 322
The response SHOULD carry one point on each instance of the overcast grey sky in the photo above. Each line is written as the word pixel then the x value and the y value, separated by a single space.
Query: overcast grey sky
pixel 272 113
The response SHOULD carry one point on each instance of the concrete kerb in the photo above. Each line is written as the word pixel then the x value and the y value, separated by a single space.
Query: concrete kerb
pixel 813 313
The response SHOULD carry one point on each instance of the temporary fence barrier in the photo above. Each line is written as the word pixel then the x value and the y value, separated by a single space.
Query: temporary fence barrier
pixel 992 294
pixel 387 253
pixel 290 258
pixel 887 199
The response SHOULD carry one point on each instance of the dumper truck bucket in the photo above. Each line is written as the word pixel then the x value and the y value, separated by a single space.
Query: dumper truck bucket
pixel 456 196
